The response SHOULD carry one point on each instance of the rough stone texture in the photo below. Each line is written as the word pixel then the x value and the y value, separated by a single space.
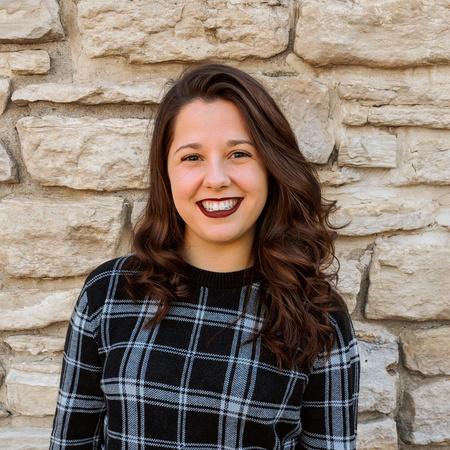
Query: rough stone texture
pixel 396 116
pixel 35 345
pixel 60 237
pixel 82 153
pixel 25 62
pixel 337 176
pixel 304 101
pixel 90 93
pixel 424 157
pixel 137 211
pixel 385 33
pixel 425 413
pixel 443 213
pixel 379 361
pixel 406 282
pixel 395 88
pixel 32 308
pixel 427 350
pixel 32 388
pixel 377 435
pixel 367 147
pixel 30 21
pixel 8 166
pixel 25 438
pixel 5 92
pixel 378 209
pixel 173 30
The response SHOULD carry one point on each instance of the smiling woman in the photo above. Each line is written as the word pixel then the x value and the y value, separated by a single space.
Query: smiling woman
pixel 222 329
pixel 221 168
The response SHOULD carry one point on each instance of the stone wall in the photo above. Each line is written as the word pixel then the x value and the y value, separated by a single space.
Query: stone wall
pixel 366 87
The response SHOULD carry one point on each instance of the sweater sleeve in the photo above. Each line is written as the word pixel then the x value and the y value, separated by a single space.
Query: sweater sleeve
pixel 80 408
pixel 330 402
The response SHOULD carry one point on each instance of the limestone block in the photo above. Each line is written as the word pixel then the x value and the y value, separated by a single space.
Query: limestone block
pixel 172 30
pixel 35 345
pixel 90 93
pixel 409 277
pixel 378 434
pixel 24 62
pixel 428 116
pixel 32 308
pixel 377 89
pixel 378 209
pixel 25 438
pixel 443 213
pixel 137 211
pixel 8 166
pixel 427 350
pixel 5 91
pixel 379 361
pixel 30 21
pixel 337 176
pixel 386 33
pixel 305 104
pixel 53 237
pixel 367 147
pixel 425 413
pixel 82 153
pixel 32 388
pixel 424 157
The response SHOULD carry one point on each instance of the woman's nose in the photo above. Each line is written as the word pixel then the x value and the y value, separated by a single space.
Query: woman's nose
pixel 216 175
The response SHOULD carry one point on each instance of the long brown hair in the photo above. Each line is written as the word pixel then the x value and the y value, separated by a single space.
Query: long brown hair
pixel 293 242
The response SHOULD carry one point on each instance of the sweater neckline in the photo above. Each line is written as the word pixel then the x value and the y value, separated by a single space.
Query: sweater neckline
pixel 223 280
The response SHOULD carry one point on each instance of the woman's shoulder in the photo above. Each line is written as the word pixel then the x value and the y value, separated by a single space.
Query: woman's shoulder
pixel 104 279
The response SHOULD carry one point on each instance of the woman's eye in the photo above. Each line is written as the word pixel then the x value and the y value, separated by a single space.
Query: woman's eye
pixel 189 156
pixel 243 153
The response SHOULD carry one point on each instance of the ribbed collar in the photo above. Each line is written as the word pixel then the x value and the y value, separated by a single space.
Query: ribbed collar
pixel 223 280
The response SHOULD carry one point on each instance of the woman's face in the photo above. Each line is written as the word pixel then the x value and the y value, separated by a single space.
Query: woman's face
pixel 204 163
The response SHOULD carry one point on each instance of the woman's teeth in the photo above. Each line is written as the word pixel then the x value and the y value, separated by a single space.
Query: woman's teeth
pixel 219 206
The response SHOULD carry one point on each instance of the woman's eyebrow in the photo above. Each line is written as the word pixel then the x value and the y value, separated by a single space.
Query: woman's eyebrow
pixel 230 143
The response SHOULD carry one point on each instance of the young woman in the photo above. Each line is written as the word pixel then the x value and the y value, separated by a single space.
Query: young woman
pixel 221 329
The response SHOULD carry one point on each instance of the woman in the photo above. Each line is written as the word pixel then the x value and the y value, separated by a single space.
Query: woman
pixel 221 328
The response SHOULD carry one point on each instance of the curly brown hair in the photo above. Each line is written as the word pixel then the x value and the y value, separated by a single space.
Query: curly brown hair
pixel 294 239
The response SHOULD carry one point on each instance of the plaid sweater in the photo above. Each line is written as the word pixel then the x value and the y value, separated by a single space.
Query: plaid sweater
pixel 123 387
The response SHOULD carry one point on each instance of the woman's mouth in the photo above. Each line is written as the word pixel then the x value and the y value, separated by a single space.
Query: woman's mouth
pixel 220 213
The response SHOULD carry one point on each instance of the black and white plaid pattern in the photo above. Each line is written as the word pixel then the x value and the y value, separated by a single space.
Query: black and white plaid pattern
pixel 123 387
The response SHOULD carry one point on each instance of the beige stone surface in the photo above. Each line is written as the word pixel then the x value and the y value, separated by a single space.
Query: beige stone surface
pixel 425 413
pixel 304 101
pixel 25 438
pixel 52 237
pixel 24 62
pixel 82 153
pixel 385 33
pixel 379 360
pixel 394 88
pixel 424 157
pixel 5 92
pixel 427 350
pixel 367 147
pixel 8 166
pixel 32 308
pixel 35 345
pixel 30 21
pixel 408 277
pixel 32 388
pixel 378 434
pixel 337 176
pixel 160 31
pixel 90 93
pixel 428 116
pixel 374 210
